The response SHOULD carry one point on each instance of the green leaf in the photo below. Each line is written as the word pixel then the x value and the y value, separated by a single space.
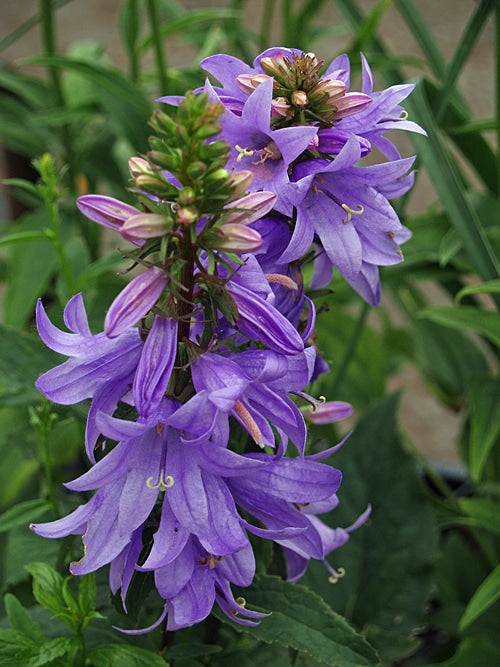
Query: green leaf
pixel 52 649
pixel 472 652
pixel 26 260
pixel 22 514
pixel 110 655
pixel 20 620
pixel 302 620
pixel 489 287
pixel 446 180
pixel 484 322
pixel 484 399
pixel 129 22
pixel 22 237
pixel 13 642
pixel 447 357
pixel 487 593
pixel 191 650
pixel 484 513
pixel 366 367
pixel 389 645
pixel 190 21
pixel 50 591
pixel 388 561
pixel 22 359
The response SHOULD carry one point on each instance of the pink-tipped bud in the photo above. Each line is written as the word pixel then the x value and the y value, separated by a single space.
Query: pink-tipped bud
pixel 238 238
pixel 185 215
pixel 280 107
pixel 240 181
pixel 147 225
pixel 330 88
pixel 327 413
pixel 249 82
pixel 299 98
pixel 251 207
pixel 138 166
pixel 277 65
pixel 350 104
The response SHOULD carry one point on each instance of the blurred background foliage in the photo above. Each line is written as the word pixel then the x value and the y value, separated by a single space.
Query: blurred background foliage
pixel 422 577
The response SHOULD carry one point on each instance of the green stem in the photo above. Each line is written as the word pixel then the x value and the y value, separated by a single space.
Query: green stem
pixel 287 12
pixel 46 11
pixel 56 240
pixel 462 53
pixel 42 420
pixel 349 350
pixel 497 86
pixel 161 62
pixel 265 25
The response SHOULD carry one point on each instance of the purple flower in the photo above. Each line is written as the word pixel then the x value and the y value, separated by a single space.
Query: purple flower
pixel 253 387
pixel 155 365
pixel 255 146
pixel 329 412
pixel 382 115
pixel 346 209
pixel 99 367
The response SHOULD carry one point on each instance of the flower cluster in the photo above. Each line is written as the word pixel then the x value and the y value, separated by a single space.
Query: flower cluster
pixel 302 136
pixel 207 353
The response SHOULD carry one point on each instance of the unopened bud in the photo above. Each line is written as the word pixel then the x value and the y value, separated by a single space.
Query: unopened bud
pixel 329 88
pixel 239 181
pixel 186 196
pixel 280 107
pixel 238 238
pixel 350 104
pixel 249 82
pixel 275 66
pixel 217 175
pixel 185 215
pixel 155 186
pixel 147 225
pixel 251 207
pixel 138 166
pixel 195 170
pixel 327 413
pixel 299 98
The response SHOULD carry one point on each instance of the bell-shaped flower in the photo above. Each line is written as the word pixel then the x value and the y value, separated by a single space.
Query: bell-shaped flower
pixel 98 367
pixel 265 152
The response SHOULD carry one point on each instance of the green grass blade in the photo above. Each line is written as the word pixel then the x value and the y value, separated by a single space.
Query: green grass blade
pixel 448 184
pixel 465 45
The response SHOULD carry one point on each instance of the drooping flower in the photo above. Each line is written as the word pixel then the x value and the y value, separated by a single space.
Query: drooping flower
pixel 98 367
pixel 346 210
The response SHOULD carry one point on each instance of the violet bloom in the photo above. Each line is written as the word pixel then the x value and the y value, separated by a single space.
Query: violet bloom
pixel 289 493
pixel 252 387
pixel 258 318
pixel 382 115
pixel 256 147
pixel 99 367
pixel 200 544
pixel 346 209
pixel 195 580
